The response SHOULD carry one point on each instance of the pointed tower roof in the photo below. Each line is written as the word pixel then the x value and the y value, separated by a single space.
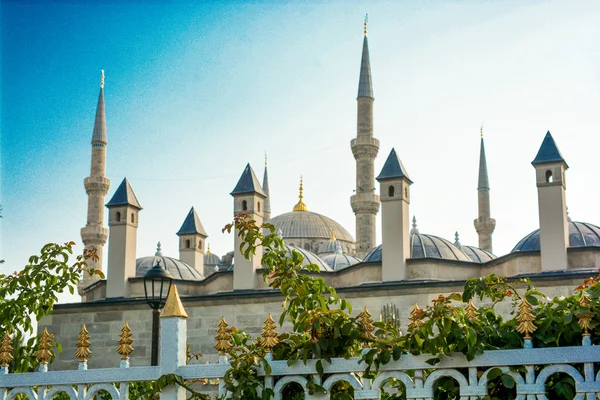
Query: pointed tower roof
pixel 365 85
pixel 192 225
pixel 393 168
pixel 248 183
pixel 124 195
pixel 548 152
pixel 483 182
pixel 265 187
pixel 99 135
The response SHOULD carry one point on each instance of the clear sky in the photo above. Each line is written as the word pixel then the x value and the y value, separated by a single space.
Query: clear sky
pixel 195 91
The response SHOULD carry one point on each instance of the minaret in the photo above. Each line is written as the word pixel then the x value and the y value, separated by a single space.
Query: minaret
pixel 265 186
pixel 94 234
pixel 191 241
pixel 550 169
pixel 123 213
pixel 365 203
pixel 394 186
pixel 484 224
pixel 247 199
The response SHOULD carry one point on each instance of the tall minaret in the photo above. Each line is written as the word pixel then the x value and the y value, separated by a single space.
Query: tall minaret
pixel 365 203
pixel 484 224
pixel 94 234
pixel 265 186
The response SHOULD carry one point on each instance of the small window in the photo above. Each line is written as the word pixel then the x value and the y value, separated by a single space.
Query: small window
pixel 307 246
pixel 200 244
pixel 118 217
pixel 391 191
pixel 244 205
pixel 132 218
pixel 549 177
pixel 187 244
pixel 258 206
pixel 405 192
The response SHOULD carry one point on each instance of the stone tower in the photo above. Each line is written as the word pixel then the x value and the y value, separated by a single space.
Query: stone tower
pixel 123 212
pixel 394 188
pixel 550 169
pixel 484 224
pixel 265 186
pixel 248 198
pixel 192 237
pixel 94 234
pixel 365 203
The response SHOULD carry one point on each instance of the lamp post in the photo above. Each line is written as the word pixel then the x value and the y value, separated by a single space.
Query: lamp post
pixel 157 284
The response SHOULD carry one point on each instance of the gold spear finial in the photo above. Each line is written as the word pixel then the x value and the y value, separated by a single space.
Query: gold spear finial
pixel 416 317
pixel 366 23
pixel 102 78
pixel 125 342
pixel 471 311
pixel 6 350
pixel 300 206
pixel 223 338
pixel 269 334
pixel 44 352
pixel 584 318
pixel 525 318
pixel 367 323
pixel 332 237
pixel 83 345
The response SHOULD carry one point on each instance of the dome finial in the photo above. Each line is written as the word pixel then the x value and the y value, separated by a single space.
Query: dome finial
pixel 102 78
pixel 456 239
pixel 300 206
pixel 158 250
pixel 332 235
pixel 366 23
pixel 208 249
pixel 414 229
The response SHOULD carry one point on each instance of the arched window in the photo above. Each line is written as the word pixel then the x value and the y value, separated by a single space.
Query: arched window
pixel 307 246
pixel 391 190
pixel 244 205
pixel 132 218
pixel 549 177
pixel 259 206
pixel 118 217
pixel 199 244
pixel 406 192
pixel 187 244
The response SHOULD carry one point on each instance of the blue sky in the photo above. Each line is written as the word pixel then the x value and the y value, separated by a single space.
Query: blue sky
pixel 195 91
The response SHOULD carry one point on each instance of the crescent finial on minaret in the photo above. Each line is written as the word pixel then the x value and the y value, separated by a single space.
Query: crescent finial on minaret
pixel 366 23
pixel 102 78
pixel 265 158
pixel 481 130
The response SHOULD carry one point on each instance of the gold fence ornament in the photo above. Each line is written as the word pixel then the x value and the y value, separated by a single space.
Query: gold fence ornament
pixel 471 311
pixel 416 317
pixel 44 352
pixel 269 334
pixel 367 323
pixel 223 338
pixel 584 318
pixel 83 345
pixel 125 342
pixel 6 350
pixel 525 318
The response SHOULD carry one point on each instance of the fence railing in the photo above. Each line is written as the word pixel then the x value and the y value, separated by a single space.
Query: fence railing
pixel 418 377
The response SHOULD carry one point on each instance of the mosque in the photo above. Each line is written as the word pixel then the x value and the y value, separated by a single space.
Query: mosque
pixel 407 266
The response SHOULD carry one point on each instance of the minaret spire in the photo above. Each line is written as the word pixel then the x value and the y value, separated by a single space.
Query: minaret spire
pixel 94 234
pixel 265 186
pixel 484 224
pixel 365 203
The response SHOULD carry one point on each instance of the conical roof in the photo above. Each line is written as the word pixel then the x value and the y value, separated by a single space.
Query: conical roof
pixel 483 182
pixel 248 183
pixel 265 187
pixel 393 168
pixel 124 195
pixel 192 225
pixel 99 135
pixel 365 84
pixel 548 152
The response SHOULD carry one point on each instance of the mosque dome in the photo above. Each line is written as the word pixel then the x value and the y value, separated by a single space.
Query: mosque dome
pixel 329 246
pixel 426 246
pixel 478 255
pixel 581 234
pixel 338 260
pixel 177 268
pixel 309 257
pixel 210 258
pixel 304 224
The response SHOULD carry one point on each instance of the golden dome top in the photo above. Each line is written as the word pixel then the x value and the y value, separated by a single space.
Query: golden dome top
pixel 300 206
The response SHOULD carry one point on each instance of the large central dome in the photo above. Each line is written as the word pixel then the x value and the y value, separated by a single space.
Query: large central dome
pixel 308 230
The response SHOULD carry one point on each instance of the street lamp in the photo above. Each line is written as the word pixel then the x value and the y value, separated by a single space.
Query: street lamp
pixel 157 285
